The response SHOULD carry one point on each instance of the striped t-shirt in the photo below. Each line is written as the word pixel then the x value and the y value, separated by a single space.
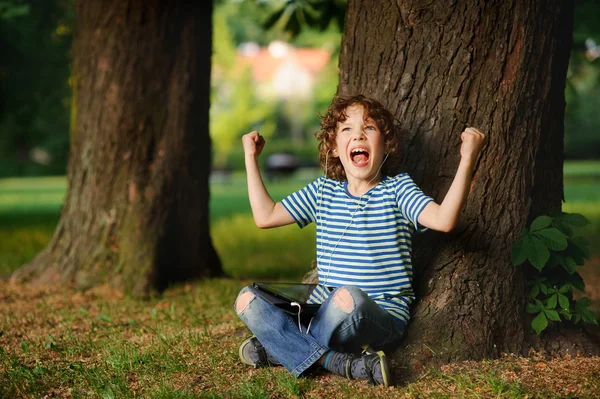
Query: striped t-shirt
pixel 364 241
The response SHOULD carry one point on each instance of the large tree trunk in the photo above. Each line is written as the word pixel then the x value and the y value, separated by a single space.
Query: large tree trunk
pixel 439 67
pixel 136 211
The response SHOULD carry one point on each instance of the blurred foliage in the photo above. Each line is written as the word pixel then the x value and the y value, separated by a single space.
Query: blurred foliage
pixel 238 107
pixel 235 108
pixel 35 97
pixel 35 40
pixel 582 118
pixel 295 16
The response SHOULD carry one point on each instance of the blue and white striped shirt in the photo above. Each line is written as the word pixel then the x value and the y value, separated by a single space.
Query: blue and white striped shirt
pixel 364 241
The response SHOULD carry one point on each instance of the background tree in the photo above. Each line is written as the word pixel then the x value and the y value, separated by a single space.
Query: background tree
pixel 35 40
pixel 582 122
pixel 136 211
pixel 497 66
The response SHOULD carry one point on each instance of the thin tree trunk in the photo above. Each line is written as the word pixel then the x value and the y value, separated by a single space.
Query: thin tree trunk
pixel 440 67
pixel 136 211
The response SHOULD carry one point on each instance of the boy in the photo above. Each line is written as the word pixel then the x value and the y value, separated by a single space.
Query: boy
pixel 365 219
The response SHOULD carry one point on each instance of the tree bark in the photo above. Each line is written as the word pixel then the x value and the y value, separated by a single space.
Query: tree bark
pixel 136 210
pixel 440 67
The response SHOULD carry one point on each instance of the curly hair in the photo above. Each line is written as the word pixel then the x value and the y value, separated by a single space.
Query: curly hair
pixel 336 113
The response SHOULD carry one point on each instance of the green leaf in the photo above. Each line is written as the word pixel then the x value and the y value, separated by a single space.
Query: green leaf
pixel 563 302
pixel 553 261
pixel 539 303
pixel 552 315
pixel 576 254
pixel 573 219
pixel 541 222
pixel 569 264
pixel 581 241
pixel 582 244
pixel 553 238
pixel 565 314
pixel 552 301
pixel 577 282
pixel 588 316
pixel 535 290
pixel 564 227
pixel 565 288
pixel 544 288
pixel 533 308
pixel 584 302
pixel 518 252
pixel 273 18
pixel 539 323
pixel 105 318
pixel 537 252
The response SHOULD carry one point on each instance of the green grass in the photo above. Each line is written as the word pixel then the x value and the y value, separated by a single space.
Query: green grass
pixel 30 208
pixel 29 211
pixel 55 342
pixel 580 169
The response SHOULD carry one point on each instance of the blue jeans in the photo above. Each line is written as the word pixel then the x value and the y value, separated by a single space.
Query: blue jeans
pixel 346 321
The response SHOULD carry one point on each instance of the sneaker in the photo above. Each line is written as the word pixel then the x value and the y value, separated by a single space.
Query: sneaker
pixel 254 354
pixel 368 350
pixel 377 368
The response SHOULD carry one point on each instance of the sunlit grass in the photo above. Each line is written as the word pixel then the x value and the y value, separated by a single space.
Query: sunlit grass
pixel 588 168
pixel 30 207
pixel 246 251
pixel 33 193
pixel 29 210
pixel 183 344
pixel 58 342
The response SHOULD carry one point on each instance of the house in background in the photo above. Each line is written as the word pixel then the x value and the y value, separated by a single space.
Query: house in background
pixel 283 71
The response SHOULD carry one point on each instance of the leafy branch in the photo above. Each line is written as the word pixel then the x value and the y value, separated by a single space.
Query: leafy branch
pixel 551 252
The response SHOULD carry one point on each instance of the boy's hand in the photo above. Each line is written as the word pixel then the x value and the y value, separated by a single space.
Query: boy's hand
pixel 253 143
pixel 472 143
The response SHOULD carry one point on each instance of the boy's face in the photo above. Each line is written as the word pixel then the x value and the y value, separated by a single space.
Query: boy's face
pixel 360 147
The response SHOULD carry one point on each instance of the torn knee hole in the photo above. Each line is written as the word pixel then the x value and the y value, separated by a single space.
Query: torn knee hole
pixel 343 300
pixel 243 301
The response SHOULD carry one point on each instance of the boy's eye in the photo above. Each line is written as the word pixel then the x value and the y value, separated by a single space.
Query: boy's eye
pixel 370 127
pixel 345 129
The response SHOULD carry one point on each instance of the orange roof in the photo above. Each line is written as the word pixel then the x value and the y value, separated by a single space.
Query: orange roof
pixel 264 66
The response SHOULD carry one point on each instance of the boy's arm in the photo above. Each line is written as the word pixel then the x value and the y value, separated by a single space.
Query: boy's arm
pixel 267 213
pixel 443 217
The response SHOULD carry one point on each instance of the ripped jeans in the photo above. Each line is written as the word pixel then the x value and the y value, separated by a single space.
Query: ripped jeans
pixel 346 321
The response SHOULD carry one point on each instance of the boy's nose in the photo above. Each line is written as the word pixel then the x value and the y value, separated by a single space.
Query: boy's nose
pixel 359 135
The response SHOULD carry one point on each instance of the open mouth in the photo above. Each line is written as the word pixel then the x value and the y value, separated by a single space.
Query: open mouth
pixel 359 156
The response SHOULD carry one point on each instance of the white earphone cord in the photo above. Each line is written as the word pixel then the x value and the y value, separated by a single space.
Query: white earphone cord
pixel 351 217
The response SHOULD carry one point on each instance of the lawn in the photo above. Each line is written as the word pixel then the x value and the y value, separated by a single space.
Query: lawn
pixel 59 343
pixel 56 342
pixel 29 210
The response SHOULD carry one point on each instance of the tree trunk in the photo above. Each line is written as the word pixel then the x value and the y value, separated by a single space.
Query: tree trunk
pixel 136 211
pixel 439 67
